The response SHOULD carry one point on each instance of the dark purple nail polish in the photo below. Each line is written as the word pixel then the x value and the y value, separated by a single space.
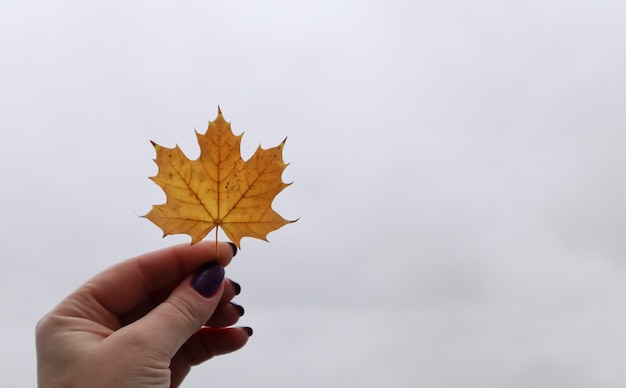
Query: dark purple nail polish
pixel 240 309
pixel 234 247
pixel 208 279
pixel 236 286
pixel 249 330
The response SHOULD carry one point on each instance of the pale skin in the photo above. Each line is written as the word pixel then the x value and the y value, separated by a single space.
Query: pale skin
pixel 140 323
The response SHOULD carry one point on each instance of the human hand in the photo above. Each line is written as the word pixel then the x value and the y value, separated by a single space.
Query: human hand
pixel 143 322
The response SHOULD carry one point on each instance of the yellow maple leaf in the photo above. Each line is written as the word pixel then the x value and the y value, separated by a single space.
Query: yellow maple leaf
pixel 219 189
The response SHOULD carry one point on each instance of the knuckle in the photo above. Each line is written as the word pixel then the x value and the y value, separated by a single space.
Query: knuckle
pixel 185 311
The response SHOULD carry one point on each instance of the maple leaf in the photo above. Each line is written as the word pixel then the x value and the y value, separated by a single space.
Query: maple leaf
pixel 219 189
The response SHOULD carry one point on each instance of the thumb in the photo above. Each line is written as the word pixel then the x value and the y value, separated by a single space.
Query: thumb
pixel 169 325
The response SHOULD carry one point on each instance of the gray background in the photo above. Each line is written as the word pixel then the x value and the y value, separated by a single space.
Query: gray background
pixel 459 172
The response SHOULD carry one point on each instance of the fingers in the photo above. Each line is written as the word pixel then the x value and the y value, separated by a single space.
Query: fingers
pixel 210 342
pixel 206 344
pixel 130 283
pixel 226 314
pixel 231 289
pixel 170 324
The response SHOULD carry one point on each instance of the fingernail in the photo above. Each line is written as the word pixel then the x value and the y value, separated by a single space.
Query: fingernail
pixel 208 279
pixel 236 286
pixel 234 247
pixel 249 330
pixel 240 309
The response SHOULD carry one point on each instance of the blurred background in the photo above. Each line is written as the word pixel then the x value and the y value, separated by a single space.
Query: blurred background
pixel 458 168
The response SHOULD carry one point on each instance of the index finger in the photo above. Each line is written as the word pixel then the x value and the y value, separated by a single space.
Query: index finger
pixel 124 285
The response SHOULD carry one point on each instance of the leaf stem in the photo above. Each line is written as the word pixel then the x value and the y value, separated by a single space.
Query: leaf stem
pixel 216 245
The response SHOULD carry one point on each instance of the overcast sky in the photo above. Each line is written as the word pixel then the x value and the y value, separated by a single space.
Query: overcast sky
pixel 459 173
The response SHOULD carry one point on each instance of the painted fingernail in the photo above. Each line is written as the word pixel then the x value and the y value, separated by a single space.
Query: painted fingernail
pixel 234 247
pixel 239 309
pixel 249 330
pixel 208 279
pixel 236 286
